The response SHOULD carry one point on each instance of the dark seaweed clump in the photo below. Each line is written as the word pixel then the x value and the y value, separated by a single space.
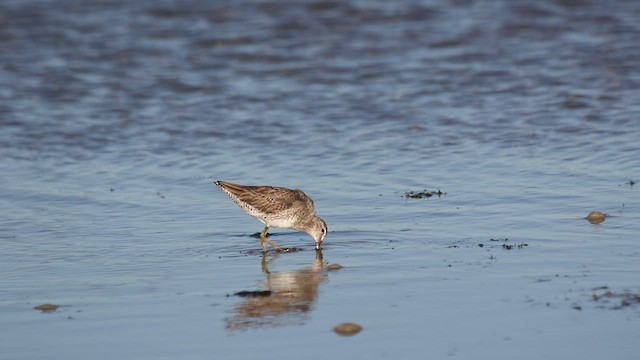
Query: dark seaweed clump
pixel 422 194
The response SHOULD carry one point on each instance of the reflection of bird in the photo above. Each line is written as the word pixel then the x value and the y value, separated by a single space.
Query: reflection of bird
pixel 277 207
pixel 286 299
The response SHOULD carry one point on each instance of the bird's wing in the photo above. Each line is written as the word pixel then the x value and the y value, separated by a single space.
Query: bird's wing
pixel 269 199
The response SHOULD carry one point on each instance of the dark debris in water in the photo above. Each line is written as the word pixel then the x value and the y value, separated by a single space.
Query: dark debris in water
pixel 258 251
pixel 629 183
pixel 257 293
pixel 613 300
pixel 517 246
pixel 509 246
pixel 504 245
pixel 422 194
pixel 291 249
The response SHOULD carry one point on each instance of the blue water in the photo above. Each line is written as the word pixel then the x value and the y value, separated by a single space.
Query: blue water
pixel 115 118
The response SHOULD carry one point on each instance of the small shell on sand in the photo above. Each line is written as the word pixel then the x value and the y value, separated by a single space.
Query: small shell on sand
pixel 347 329
pixel 46 307
pixel 334 267
pixel 596 217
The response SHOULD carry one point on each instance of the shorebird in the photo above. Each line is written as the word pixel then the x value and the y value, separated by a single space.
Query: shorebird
pixel 277 207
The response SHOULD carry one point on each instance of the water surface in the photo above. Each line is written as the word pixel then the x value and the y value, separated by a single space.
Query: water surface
pixel 115 118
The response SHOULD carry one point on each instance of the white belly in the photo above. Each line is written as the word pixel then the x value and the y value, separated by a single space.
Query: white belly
pixel 285 223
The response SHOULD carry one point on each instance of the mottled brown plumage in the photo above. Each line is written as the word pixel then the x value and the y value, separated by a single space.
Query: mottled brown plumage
pixel 277 207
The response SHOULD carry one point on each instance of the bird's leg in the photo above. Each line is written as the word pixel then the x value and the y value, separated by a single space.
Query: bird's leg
pixel 264 239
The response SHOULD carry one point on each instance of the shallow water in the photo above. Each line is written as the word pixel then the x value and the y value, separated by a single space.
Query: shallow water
pixel 116 118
